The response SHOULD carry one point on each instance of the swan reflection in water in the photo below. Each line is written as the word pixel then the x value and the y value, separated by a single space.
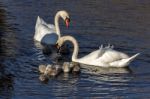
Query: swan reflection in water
pixel 105 81
pixel 102 70
pixel 46 52
pixel 95 83
pixel 54 54
pixel 67 67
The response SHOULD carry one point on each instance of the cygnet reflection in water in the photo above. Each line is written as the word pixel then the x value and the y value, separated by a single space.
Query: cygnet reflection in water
pixel 43 78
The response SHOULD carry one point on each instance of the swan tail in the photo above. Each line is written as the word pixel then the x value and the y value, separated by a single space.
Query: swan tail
pixel 38 21
pixel 133 57
pixel 127 61
pixel 124 62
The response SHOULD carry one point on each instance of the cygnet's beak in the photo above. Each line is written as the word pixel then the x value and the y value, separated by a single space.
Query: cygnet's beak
pixel 67 21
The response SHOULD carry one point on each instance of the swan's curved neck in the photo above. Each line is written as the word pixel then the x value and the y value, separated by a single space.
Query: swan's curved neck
pixel 57 16
pixel 75 44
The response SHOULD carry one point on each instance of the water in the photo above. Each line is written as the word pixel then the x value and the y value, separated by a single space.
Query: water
pixel 125 24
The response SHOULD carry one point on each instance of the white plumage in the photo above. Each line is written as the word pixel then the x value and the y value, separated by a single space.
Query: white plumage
pixel 103 57
pixel 49 33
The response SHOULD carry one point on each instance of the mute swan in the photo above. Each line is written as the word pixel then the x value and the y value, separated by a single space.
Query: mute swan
pixel 49 33
pixel 104 57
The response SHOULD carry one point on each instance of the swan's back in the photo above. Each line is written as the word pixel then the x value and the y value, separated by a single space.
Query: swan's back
pixel 91 56
pixel 95 54
pixel 45 33
pixel 40 21
pixel 111 56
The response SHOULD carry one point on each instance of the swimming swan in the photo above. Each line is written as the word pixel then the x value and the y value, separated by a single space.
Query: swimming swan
pixel 49 33
pixel 103 57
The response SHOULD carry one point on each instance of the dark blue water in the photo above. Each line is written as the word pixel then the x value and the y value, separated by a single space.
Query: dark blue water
pixel 125 24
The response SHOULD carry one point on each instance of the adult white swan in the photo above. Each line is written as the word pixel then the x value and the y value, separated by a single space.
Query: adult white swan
pixel 104 57
pixel 49 33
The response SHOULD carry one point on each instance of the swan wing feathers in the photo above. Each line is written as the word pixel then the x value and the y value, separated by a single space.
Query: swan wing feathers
pixel 41 31
pixel 44 29
pixel 45 33
pixel 108 47
pixel 40 22
pixel 50 26
pixel 111 56
pixel 93 55
pixel 124 62
pixel 96 54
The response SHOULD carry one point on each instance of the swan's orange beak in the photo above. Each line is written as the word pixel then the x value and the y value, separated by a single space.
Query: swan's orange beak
pixel 67 21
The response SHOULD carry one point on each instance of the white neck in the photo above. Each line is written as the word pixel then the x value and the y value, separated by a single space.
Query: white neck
pixel 57 16
pixel 75 44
